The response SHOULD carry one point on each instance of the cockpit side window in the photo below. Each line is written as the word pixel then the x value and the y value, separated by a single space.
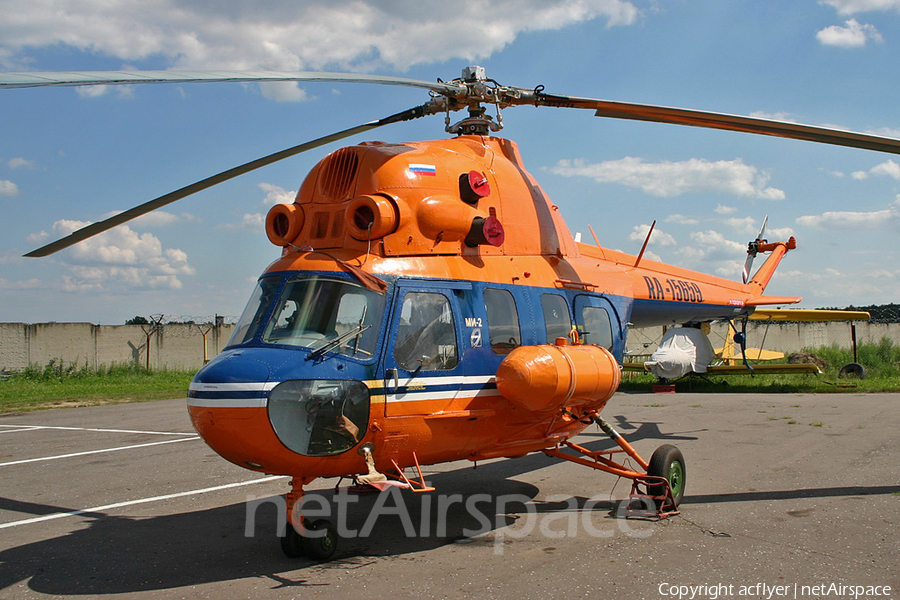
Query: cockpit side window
pixel 251 320
pixel 426 337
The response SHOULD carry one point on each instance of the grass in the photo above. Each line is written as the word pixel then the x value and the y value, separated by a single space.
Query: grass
pixel 881 361
pixel 58 385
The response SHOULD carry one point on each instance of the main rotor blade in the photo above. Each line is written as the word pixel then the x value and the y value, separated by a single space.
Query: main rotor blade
pixel 699 118
pixel 69 78
pixel 123 217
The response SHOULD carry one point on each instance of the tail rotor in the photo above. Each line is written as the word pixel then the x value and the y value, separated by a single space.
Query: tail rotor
pixel 753 250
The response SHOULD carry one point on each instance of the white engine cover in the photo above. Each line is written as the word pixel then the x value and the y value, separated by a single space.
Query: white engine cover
pixel 682 350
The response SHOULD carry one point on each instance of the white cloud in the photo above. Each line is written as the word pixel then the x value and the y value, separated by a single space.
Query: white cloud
pixel 681 219
pixel 712 252
pixel 287 35
pixel 8 188
pixel 257 221
pixel 659 238
pixel 742 224
pixel 667 179
pixel 119 257
pixel 844 220
pixel 725 210
pixel 849 7
pixel 715 244
pixel 885 132
pixel 276 194
pixel 728 268
pixel 28 284
pixel 250 221
pixel 852 35
pixel 158 218
pixel 37 238
pixel 21 163
pixel 94 91
pixel 889 168
pixel 779 233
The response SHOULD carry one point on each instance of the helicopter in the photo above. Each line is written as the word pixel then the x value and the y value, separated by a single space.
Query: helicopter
pixel 428 303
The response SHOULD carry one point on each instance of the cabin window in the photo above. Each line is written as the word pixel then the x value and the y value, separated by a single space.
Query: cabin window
pixel 503 320
pixel 319 417
pixel 326 313
pixel 556 317
pixel 597 327
pixel 426 337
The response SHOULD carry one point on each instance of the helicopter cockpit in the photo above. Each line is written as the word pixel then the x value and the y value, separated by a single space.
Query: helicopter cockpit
pixel 312 311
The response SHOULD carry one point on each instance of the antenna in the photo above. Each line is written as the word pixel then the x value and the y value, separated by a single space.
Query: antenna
pixel 644 247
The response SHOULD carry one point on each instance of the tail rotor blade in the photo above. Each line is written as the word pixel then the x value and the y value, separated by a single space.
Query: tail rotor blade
pixel 745 273
pixel 762 230
pixel 752 250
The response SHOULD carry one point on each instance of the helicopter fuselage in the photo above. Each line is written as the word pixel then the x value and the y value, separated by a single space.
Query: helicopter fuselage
pixel 431 302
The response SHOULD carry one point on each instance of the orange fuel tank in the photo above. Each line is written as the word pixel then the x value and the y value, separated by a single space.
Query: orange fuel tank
pixel 546 377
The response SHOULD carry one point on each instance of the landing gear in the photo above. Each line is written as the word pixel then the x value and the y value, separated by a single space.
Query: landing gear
pixel 319 540
pixel 291 543
pixel 667 462
pixel 319 544
pixel 663 478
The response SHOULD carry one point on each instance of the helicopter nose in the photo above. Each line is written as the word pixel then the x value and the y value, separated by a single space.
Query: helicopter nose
pixel 234 381
pixel 227 402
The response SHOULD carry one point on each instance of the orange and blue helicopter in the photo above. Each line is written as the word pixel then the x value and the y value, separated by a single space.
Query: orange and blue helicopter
pixel 429 304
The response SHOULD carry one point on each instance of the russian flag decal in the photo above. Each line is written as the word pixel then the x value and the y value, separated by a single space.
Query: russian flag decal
pixel 429 170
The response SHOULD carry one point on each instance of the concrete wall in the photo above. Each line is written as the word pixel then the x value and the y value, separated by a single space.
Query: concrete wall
pixel 174 346
pixel 782 337
pixel 179 346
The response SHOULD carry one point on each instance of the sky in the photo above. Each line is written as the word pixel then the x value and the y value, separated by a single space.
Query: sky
pixel 69 156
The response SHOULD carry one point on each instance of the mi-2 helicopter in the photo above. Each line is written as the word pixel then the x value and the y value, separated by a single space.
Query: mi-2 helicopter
pixel 429 304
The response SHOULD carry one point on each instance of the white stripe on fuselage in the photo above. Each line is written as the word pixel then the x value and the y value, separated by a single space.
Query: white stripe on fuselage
pixel 421 393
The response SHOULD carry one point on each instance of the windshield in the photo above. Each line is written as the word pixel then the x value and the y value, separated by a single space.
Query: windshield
pixel 328 313
pixel 251 320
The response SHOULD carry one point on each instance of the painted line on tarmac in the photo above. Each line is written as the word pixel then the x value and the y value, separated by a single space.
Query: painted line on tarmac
pixel 102 450
pixel 33 427
pixel 19 428
pixel 97 509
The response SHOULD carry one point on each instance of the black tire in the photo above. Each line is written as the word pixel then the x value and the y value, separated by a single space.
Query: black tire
pixel 852 370
pixel 291 543
pixel 668 462
pixel 322 545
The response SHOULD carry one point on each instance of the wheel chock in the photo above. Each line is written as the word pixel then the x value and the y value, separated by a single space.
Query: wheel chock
pixel 642 504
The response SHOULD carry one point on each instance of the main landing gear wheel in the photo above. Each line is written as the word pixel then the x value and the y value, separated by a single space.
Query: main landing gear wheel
pixel 322 544
pixel 668 462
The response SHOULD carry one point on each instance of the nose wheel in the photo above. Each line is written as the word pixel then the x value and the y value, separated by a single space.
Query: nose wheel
pixel 319 542
pixel 319 538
